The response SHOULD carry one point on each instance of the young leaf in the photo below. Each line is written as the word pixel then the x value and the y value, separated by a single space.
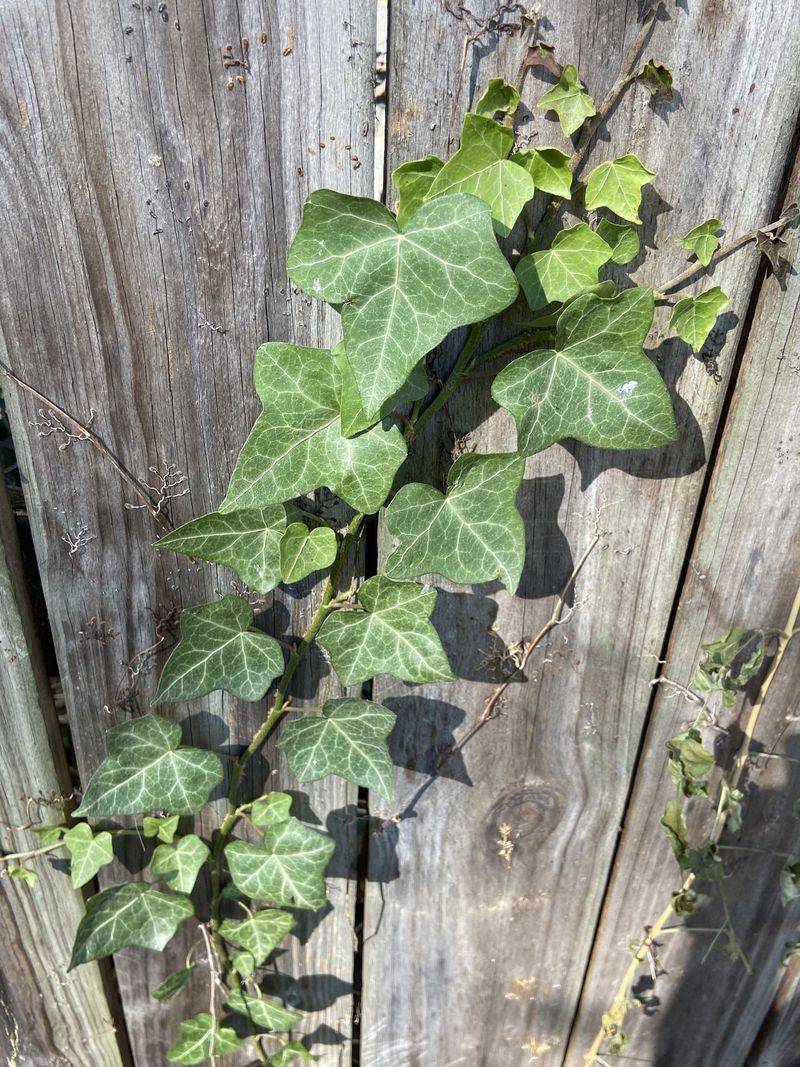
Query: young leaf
pixel 148 769
pixel 219 650
pixel 657 79
pixel 297 445
pixel 570 265
pixel 597 385
pixel 693 318
pixel 481 167
pixel 304 551
pixel 198 1035
pixel 402 291
pixel 689 763
pixel 162 828
pixel 348 739
pixel 393 635
pixel 572 105
pixel 173 983
pixel 497 96
pixel 290 1053
pixel 413 181
pixel 247 541
pixel 617 185
pixel 270 810
pixel 23 874
pixel 266 1014
pixel 622 240
pixel 773 246
pixel 790 881
pixel 549 168
pixel 88 851
pixel 128 914
pixel 703 240
pixel 472 534
pixel 259 934
pixel 179 865
pixel 729 662
pixel 289 869
pixel 48 835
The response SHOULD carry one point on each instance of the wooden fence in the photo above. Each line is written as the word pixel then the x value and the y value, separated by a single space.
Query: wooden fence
pixel 149 193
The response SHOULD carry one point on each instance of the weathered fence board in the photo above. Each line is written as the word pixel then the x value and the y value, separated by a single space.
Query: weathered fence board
pixel 149 197
pixel 743 571
pixel 472 955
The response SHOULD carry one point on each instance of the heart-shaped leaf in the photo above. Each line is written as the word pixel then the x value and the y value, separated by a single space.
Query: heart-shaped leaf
pixel 622 240
pixel 263 1013
pixel 304 551
pixel 572 105
pixel 497 96
pixel 413 181
pixel 569 266
pixel 617 185
pixel 201 1038
pixel 693 318
pixel 162 828
pixel 179 865
pixel 88 851
pixel 259 934
pixel 703 240
pixel 270 810
pixel 549 168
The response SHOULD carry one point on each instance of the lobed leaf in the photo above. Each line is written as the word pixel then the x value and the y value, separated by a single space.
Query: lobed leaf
pixel 549 168
pixel 703 240
pixel 291 1051
pixel 260 933
pixel 618 185
pixel 270 810
pixel 693 318
pixel 413 181
pixel 622 240
pixel 569 266
pixel 200 1039
pixel 164 828
pixel 304 551
pixel 497 96
pixel 88 852
pixel 572 105
pixel 179 865
pixel 264 1013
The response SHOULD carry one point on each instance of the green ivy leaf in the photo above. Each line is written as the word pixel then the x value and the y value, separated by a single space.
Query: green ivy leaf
pixel 23 874
pixel 48 835
pixel 570 265
pixel 88 852
pixel 304 551
pixel 348 739
pixel 693 318
pixel 197 1036
pixel 352 416
pixel 173 983
pixel 259 934
pixel 481 167
pixel 219 650
pixel 703 240
pixel 572 105
pixel 689 763
pixel 247 541
pixel 597 385
pixel 164 828
pixel 270 810
pixel 148 769
pixel 291 1052
pixel 403 290
pixel 268 1014
pixel 297 445
pixel 472 534
pixel 549 168
pixel 617 185
pixel 657 79
pixel 126 915
pixel 393 635
pixel 179 865
pixel 790 881
pixel 497 96
pixel 622 240
pixel 675 828
pixel 729 662
pixel 413 181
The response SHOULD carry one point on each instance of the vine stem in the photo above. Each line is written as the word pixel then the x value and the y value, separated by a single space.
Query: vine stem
pixel 10 857
pixel 733 777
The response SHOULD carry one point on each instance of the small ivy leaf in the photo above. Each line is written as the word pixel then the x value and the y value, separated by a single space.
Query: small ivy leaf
pixel 130 914
pixel 243 963
pixel 23 874
pixel 48 835
pixel 219 650
pixel 352 417
pixel 622 240
pixel 147 769
pixel 88 852
pixel 693 318
pixel 198 1034
pixel 393 635
pixel 347 739
pixel 572 105
pixel 773 246
pixel 703 240
pixel 289 868
pixel 729 662
pixel 304 551
pixel 271 810
pixel 686 901
pixel 260 934
pixel 618 185
pixel 542 55
pixel 164 828
pixel 267 1014
pixel 596 385
pixel 246 541
pixel 675 828
pixel 497 96
pixel 481 167
pixel 173 983
pixel 472 534
pixel 413 181
pixel 297 445
pixel 704 863
pixel 569 266
pixel 402 291
pixel 549 169
pixel 657 79
pixel 689 763
pixel 790 881
pixel 291 1052
pixel 179 865
pixel 730 804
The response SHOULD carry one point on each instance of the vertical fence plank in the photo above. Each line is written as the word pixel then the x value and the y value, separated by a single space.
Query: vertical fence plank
pixel 472 956
pixel 149 197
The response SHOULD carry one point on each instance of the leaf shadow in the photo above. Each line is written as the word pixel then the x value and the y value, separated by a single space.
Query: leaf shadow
pixel 548 557
pixel 310 992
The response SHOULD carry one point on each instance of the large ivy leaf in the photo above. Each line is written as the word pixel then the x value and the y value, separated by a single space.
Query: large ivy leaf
pixel 304 551
pixel 393 635
pixel 572 105
pixel 88 852
pixel 472 534
pixel 549 168
pixel 348 739
pixel 260 933
pixel 617 185
pixel 413 181
pixel 198 1035
pixel 219 650
pixel 597 385
pixel 297 445
pixel 481 167
pixel 179 865
pixel 247 541
pixel 693 317
pixel 703 240
pixel 125 915
pixel 403 290
pixel 497 96
pixel 622 240
pixel 569 266
pixel 264 1013
pixel 148 769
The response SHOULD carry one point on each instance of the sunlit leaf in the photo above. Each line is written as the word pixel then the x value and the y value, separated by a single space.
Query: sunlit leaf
pixel 622 240
pixel 353 419
pixel 263 1013
pixel 693 318
pixel 262 932
pixel 304 551
pixel 270 810
pixel 549 168
pixel 730 661
pixel 572 105
pixel 569 266
pixel 200 1039
pixel 290 1053
pixel 618 185
pixel 179 865
pixel 88 851
pixel 497 96
pixel 23 874
pixel 703 240
pixel 413 181
pixel 164 828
